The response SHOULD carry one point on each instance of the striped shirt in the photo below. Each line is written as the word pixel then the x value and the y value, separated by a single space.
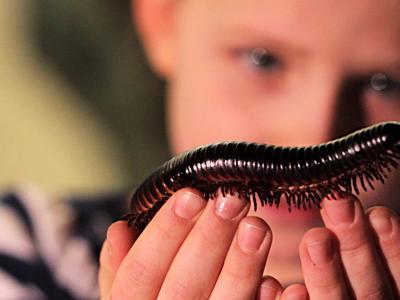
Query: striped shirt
pixel 50 250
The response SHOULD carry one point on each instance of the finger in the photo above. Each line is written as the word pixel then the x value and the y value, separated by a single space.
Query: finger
pixel 269 289
pixel 245 262
pixel 296 292
pixel 119 240
pixel 321 265
pixel 198 263
pixel 365 272
pixel 142 272
pixel 386 225
pixel 105 275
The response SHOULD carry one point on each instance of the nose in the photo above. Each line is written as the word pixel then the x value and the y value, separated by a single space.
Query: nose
pixel 349 113
pixel 334 109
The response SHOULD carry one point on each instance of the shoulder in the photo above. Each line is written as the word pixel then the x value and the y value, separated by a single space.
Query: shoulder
pixel 49 249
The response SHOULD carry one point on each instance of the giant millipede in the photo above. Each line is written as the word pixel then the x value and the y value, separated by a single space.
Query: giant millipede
pixel 264 173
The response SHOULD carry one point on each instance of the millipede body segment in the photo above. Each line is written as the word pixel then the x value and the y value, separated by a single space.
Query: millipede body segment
pixel 266 173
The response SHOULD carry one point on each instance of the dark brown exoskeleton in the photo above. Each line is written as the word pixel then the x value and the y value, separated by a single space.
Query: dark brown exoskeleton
pixel 304 175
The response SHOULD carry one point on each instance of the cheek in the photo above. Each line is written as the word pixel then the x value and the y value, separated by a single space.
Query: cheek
pixel 201 111
pixel 207 106
pixel 380 110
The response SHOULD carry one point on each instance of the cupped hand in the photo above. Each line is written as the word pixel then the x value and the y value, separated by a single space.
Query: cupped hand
pixel 196 250
pixel 192 249
pixel 357 255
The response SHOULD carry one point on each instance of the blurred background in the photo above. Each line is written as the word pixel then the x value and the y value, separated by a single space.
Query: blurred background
pixel 80 110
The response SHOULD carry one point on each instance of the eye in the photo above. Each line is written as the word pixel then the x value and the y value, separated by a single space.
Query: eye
pixel 382 84
pixel 379 82
pixel 262 60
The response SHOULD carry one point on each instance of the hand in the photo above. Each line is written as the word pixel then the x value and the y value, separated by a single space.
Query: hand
pixel 192 249
pixel 356 256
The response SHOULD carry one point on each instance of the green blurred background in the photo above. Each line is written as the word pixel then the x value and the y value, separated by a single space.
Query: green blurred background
pixel 80 111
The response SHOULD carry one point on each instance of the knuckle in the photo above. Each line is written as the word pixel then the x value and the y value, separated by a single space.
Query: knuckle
pixel 327 280
pixel 166 233
pixel 353 245
pixel 379 293
pixel 212 238
pixel 209 238
pixel 324 283
pixel 181 290
pixel 243 268
pixel 215 232
pixel 141 273
pixel 240 273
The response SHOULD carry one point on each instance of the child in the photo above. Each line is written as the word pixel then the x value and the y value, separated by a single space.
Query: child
pixel 277 72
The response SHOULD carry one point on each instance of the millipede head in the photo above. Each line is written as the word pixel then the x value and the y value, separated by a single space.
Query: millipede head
pixel 392 131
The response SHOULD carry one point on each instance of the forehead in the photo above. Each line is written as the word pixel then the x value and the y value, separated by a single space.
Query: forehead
pixel 332 15
pixel 364 27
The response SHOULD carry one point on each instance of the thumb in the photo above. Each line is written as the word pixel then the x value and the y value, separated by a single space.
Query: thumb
pixel 120 238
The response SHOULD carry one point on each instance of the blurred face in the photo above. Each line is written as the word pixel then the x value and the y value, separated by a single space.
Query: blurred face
pixel 285 73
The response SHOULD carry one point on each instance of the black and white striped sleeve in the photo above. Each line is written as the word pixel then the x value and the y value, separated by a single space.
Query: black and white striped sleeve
pixel 42 253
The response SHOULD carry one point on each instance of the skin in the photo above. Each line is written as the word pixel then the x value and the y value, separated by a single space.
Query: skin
pixel 316 89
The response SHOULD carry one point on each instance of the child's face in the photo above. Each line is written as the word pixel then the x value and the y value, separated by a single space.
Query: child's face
pixel 317 52
pixel 281 72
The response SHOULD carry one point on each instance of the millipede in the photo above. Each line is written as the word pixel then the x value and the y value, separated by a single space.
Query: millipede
pixel 265 173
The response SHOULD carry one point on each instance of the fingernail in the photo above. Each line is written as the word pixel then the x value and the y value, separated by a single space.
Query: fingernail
pixel 293 293
pixel 340 211
pixel 382 223
pixel 228 207
pixel 250 237
pixel 187 205
pixel 320 251
pixel 267 290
